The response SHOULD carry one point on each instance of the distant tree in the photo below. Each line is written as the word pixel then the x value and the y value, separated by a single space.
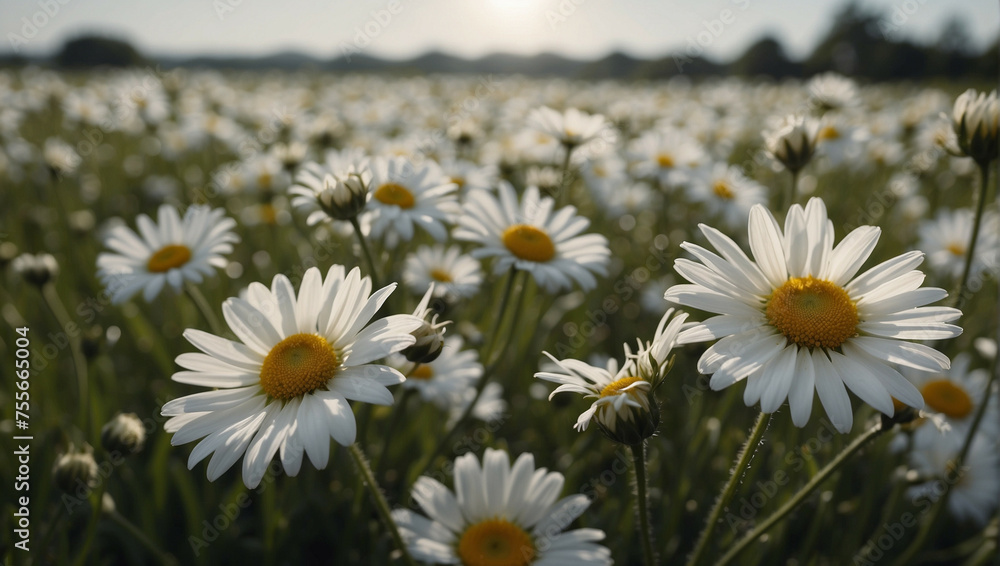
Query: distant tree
pixel 94 51
pixel 766 58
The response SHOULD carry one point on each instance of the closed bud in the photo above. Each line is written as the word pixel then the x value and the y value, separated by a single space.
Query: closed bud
pixel 75 468
pixel 123 434
pixel 343 198
pixel 430 335
pixel 632 418
pixel 793 141
pixel 975 121
pixel 36 269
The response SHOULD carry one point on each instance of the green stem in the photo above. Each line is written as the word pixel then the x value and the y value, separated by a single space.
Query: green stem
pixel 397 416
pixel 367 252
pixel 742 461
pixel 487 372
pixel 55 305
pixel 801 495
pixel 161 556
pixel 642 502
pixel 789 198
pixel 95 518
pixel 963 291
pixel 203 307
pixel 564 180
pixel 380 503
pixel 44 545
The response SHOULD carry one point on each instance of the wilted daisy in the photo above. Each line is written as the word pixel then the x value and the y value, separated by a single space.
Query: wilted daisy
pixel 499 515
pixel 624 407
pixel 976 120
pixel 571 128
pixel 974 489
pixel 792 141
pixel 404 194
pixel 452 273
pixel 533 238
pixel 286 383
pixel 333 189
pixel 797 319
pixel 172 250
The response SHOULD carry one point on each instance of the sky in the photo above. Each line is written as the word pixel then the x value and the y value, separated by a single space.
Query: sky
pixel 469 28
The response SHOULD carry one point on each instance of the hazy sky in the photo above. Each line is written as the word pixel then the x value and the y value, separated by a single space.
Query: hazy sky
pixel 580 28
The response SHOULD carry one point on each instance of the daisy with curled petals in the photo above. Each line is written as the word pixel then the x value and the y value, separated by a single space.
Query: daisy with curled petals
pixel 622 395
pixel 404 194
pixel 285 385
pixel 499 515
pixel 798 318
pixel 533 238
pixel 173 251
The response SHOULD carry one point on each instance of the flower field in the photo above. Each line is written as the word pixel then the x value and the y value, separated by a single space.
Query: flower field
pixel 291 318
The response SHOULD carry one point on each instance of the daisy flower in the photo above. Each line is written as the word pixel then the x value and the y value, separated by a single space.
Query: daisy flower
pixel 532 238
pixel 798 319
pixel 441 380
pixel 792 141
pixel 173 251
pixel 831 91
pixel 728 193
pixel 285 384
pixel 336 188
pixel 452 273
pixel 622 395
pixel 499 514
pixel 974 489
pixel 490 406
pixel 571 128
pixel 404 194
pixel 945 240
pixel 957 394
pixel 668 155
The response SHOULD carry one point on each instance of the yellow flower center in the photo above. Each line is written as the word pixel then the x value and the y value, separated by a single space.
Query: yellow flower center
pixel 268 214
pixel 496 542
pixel 394 193
pixel 264 180
pixel 460 181
pixel 956 249
pixel 813 313
pixel 615 387
pixel 829 133
pixel 441 275
pixel 948 398
pixel 599 171
pixel 423 371
pixel 168 257
pixel 722 190
pixel 664 160
pixel 529 243
pixel 299 364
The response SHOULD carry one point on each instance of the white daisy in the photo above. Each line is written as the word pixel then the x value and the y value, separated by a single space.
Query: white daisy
pixel 831 91
pixel 957 394
pixel 974 488
pixel 622 394
pixel 404 194
pixel 728 193
pixel 285 385
pixel 945 240
pixel 532 238
pixel 173 251
pixel 490 406
pixel 571 128
pixel 446 377
pixel 668 155
pixel 797 319
pixel 499 514
pixel 335 189
pixel 452 273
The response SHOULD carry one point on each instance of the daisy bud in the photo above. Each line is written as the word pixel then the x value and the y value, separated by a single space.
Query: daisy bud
pixel 123 434
pixel 343 198
pixel 75 468
pixel 430 335
pixel 60 157
pixel 36 269
pixel 793 142
pixel 975 121
pixel 636 420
